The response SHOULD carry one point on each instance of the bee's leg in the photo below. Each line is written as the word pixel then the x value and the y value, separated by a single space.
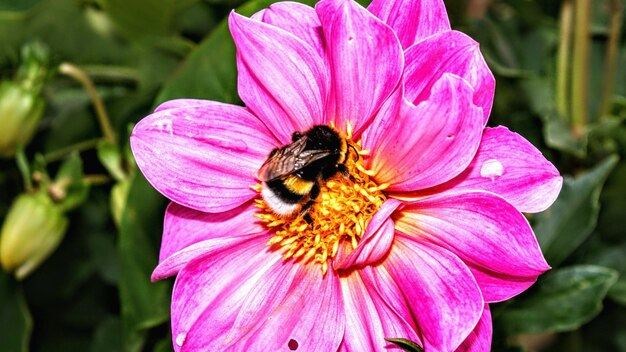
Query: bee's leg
pixel 273 152
pixel 343 169
pixel 315 192
pixel 295 136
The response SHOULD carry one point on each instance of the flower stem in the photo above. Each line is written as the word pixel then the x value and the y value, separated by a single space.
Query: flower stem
pixel 95 180
pixel 477 9
pixel 580 66
pixel 112 73
pixel 62 152
pixel 563 57
pixel 22 165
pixel 610 63
pixel 80 75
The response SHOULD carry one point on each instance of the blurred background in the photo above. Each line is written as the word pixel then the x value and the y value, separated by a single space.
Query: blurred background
pixel 81 226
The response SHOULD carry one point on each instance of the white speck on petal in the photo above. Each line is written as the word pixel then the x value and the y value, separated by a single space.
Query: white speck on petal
pixel 164 125
pixel 180 339
pixel 492 169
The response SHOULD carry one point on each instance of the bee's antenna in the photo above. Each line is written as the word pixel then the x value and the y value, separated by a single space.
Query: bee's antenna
pixel 358 156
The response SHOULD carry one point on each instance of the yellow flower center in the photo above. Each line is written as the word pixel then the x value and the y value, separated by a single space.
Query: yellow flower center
pixel 341 212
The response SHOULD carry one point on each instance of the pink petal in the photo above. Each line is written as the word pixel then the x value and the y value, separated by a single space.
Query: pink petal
pixel 365 61
pixel 299 20
pixel 480 339
pixel 377 279
pixel 185 227
pixel 176 261
pixel 441 291
pixel 203 157
pixel 377 239
pixel 498 287
pixel 412 20
pixel 484 231
pixel 369 318
pixel 415 147
pixel 249 299
pixel 281 78
pixel 452 52
pixel 507 164
pixel 183 103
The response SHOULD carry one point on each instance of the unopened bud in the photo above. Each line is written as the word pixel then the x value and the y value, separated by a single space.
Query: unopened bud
pixel 21 103
pixel 20 112
pixel 119 194
pixel 32 230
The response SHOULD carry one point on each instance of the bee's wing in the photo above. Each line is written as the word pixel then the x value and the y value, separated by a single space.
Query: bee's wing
pixel 289 159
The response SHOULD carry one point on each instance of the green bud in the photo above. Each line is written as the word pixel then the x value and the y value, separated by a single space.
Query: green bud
pixel 21 103
pixel 32 230
pixel 119 195
pixel 20 112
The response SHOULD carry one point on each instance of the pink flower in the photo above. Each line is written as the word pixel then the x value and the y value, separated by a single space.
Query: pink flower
pixel 425 232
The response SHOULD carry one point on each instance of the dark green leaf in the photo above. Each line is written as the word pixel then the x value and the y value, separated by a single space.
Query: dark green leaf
pixel 11 35
pixel 145 19
pixel 572 218
pixel 14 317
pixel 102 248
pixel 17 5
pixel 564 300
pixel 144 304
pixel 613 257
pixel 110 156
pixel 165 345
pixel 69 182
pixel 108 336
pixel 406 345
pixel 613 199
pixel 558 135
pixel 24 167
pixel 67 27
pixel 71 169
pixel 210 71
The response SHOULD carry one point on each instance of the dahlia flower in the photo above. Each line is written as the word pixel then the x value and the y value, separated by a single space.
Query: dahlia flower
pixel 423 233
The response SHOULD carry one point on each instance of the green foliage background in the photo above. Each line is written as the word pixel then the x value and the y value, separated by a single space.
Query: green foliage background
pixel 94 294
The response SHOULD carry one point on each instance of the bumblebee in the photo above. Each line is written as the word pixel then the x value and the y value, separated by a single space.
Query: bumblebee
pixel 292 174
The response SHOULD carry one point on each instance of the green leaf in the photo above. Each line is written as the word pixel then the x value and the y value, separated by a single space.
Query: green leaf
pixel 613 257
pixel 613 199
pixel 145 19
pixel 61 24
pixel 110 156
pixel 16 5
pixel 210 71
pixel 406 345
pixel 572 218
pixel 69 182
pixel 24 167
pixel 144 304
pixel 14 317
pixel 165 345
pixel 108 336
pixel 564 300
pixel 71 169
pixel 558 135
pixel 104 256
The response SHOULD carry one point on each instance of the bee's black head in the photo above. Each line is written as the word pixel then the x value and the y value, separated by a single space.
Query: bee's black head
pixel 324 137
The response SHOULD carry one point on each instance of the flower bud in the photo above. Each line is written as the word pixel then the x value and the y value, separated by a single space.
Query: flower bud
pixel 119 195
pixel 20 112
pixel 32 229
pixel 21 103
